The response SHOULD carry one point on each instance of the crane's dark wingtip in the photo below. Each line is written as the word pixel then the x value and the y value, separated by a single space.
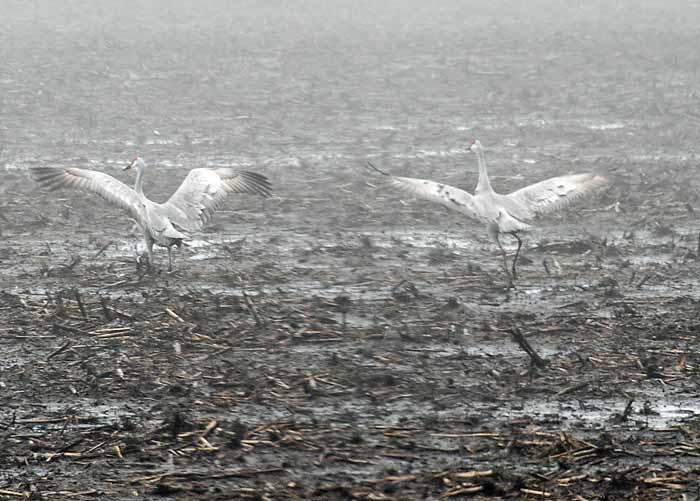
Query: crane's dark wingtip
pixel 370 166
pixel 257 183
pixel 38 173
pixel 50 177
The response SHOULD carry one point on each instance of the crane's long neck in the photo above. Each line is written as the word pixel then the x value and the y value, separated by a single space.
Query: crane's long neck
pixel 483 185
pixel 138 186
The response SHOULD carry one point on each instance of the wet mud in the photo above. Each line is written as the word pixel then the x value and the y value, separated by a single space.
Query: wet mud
pixel 343 341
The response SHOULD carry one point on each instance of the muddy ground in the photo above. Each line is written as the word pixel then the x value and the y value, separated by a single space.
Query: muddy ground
pixel 340 340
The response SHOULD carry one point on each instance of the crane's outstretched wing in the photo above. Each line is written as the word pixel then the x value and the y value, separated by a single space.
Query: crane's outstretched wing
pixel 104 185
pixel 443 194
pixel 555 193
pixel 203 191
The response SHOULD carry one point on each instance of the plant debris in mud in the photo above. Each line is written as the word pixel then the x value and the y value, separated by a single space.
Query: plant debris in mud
pixel 336 341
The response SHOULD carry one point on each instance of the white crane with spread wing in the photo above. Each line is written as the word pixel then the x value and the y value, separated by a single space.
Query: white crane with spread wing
pixel 503 213
pixel 188 209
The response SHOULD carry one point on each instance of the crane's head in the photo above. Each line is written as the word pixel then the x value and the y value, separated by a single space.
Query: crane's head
pixel 136 163
pixel 475 145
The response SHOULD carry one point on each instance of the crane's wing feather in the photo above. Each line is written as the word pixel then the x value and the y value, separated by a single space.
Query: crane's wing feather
pixel 104 185
pixel 555 193
pixel 204 190
pixel 443 194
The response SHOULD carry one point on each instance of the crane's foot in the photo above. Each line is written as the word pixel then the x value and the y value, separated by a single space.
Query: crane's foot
pixel 144 265
pixel 142 262
pixel 510 278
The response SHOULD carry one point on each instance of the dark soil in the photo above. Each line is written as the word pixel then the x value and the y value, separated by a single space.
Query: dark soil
pixel 340 340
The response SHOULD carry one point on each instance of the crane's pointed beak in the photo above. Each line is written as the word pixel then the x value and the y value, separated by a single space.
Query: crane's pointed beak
pixel 131 164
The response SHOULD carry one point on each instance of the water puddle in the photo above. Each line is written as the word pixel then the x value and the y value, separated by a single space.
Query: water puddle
pixel 511 349
pixel 305 288
pixel 655 414
pixel 79 413
pixel 606 126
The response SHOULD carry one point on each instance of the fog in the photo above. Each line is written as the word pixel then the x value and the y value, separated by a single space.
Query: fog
pixel 95 79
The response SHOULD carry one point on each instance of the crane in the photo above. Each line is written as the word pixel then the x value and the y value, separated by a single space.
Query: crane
pixel 509 213
pixel 165 224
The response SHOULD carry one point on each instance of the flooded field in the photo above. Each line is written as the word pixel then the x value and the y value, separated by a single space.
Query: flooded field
pixel 340 340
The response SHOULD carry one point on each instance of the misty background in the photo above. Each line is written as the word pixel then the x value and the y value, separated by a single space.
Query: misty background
pixel 322 85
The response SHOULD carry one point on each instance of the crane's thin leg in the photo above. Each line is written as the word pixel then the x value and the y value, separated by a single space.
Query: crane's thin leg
pixel 505 263
pixel 517 253
pixel 149 248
